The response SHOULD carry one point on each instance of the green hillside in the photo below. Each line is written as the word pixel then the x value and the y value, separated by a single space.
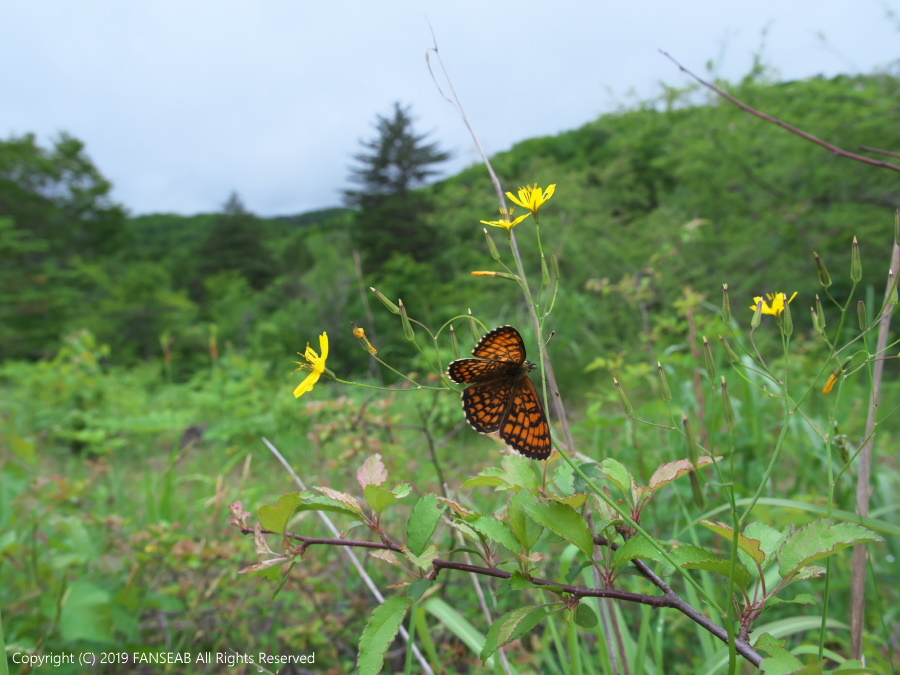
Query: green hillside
pixel 143 358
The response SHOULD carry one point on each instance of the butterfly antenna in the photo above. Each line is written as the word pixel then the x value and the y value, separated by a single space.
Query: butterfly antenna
pixel 547 341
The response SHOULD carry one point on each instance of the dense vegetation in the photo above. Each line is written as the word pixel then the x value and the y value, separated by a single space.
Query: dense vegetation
pixel 143 357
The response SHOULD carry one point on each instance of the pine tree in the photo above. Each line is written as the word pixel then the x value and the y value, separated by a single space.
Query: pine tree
pixel 391 216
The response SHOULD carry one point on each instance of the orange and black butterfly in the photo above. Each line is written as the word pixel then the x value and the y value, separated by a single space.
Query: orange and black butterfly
pixel 500 396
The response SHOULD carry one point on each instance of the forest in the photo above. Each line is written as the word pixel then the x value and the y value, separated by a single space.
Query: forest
pixel 145 358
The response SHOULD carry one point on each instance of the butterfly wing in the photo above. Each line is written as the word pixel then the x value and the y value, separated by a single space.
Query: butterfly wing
pixel 485 405
pixel 525 426
pixel 477 370
pixel 501 344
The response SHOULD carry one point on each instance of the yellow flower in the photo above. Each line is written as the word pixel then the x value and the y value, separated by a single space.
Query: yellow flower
pixel 778 302
pixel 315 364
pixel 506 222
pixel 533 197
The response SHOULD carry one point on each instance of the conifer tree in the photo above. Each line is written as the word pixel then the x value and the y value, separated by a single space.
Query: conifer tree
pixel 391 216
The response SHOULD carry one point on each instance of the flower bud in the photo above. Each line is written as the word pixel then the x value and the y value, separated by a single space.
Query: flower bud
pixel 404 320
pixel 757 315
pixel 726 305
pixel 495 254
pixel 732 356
pixel 787 321
pixel 861 315
pixel 624 399
pixel 708 359
pixel 824 277
pixel 663 383
pixel 727 409
pixel 855 262
pixel 387 303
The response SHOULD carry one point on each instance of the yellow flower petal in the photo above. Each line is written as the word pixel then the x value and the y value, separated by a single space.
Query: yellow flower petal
pixel 314 363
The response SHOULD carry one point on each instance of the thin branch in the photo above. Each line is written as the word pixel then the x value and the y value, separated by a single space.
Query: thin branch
pixel 878 151
pixel 839 152
pixel 668 599
pixel 352 557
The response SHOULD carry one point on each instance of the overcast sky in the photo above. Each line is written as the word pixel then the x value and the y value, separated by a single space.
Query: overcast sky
pixel 182 101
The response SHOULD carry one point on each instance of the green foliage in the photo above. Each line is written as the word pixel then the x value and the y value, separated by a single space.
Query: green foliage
pixel 391 217
pixel 144 331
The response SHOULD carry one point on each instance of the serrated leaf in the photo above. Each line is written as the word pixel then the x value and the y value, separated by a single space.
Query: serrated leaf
pixel 575 501
pixel 510 627
pixel 275 517
pixel 323 503
pixel 342 497
pixel 378 498
pixel 752 547
pixel 592 471
pixel 418 587
pixel 799 599
pixel 380 632
pixel 422 560
pixel 526 531
pixel 697 558
pixel 496 531
pixel 634 548
pixel 770 539
pixel 564 521
pixel 674 470
pixel 422 522
pixel 519 472
pixel 780 660
pixel 386 555
pixel 372 472
pixel 458 508
pixel 817 540
pixel 585 616
pixel 617 473
pixel 490 481
pixel 519 582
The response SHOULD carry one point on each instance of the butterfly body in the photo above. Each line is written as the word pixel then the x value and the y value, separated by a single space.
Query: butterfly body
pixel 501 397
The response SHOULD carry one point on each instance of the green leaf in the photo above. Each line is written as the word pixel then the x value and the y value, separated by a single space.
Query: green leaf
pixel 697 558
pixel 590 469
pixel 799 599
pixel 752 547
pixel 566 522
pixel 519 472
pixel 770 539
pixel 780 660
pixel 422 523
pixel 496 531
pixel 322 503
pixel 817 540
pixel 418 587
pixel 87 614
pixel 490 481
pixel 275 517
pixel 422 560
pixel 617 473
pixel 526 531
pixel 380 632
pixel 585 616
pixel 512 626
pixel 379 498
pixel 637 547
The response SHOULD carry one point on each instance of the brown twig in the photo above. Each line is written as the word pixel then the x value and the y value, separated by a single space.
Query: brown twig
pixel 669 598
pixel 839 152
pixel 889 153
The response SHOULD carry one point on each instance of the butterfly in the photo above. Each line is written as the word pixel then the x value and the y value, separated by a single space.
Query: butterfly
pixel 500 396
